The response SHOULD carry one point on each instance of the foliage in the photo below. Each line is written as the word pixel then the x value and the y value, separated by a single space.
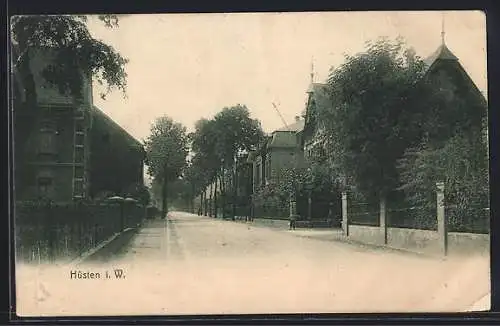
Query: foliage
pixel 216 142
pixel 205 162
pixel 166 152
pixel 371 119
pixel 316 177
pixel 461 163
pixel 74 48
pixel 271 198
pixel 139 192
pixel 236 132
pixel 166 149
pixel 179 193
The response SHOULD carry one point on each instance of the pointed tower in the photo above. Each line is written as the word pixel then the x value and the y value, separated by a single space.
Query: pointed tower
pixel 311 84
pixel 442 29
pixel 442 52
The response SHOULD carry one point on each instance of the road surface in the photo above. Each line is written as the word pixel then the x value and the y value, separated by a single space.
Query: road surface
pixel 200 265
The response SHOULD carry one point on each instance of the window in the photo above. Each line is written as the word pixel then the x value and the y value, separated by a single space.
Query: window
pixel 268 169
pixel 257 174
pixel 78 172
pixel 79 139
pixel 78 190
pixel 47 142
pixel 79 154
pixel 45 187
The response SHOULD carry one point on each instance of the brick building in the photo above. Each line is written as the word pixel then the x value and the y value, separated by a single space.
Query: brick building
pixel 65 148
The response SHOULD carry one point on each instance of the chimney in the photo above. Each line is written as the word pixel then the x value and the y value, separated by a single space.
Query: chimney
pixel 297 118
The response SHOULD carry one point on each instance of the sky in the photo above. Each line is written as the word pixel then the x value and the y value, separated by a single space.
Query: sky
pixel 190 66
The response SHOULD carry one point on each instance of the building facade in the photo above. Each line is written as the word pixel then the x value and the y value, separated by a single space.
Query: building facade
pixel 58 149
pixel 280 150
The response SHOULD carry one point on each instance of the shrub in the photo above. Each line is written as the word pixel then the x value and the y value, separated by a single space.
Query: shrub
pixel 462 164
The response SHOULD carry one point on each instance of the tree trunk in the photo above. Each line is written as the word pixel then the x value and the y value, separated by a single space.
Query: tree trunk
pixel 223 190
pixel 215 196
pixel 201 204
pixel 210 202
pixel 164 209
pixel 204 208
pixel 192 198
pixel 235 184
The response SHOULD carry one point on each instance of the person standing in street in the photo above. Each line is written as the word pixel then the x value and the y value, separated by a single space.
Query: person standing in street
pixel 293 220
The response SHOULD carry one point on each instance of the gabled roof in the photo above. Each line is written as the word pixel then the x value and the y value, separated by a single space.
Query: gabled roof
pixel 318 93
pixel 110 123
pixel 442 53
pixel 283 139
pixel 294 127
pixel 316 88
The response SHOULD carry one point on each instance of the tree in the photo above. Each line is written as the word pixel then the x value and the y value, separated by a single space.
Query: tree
pixel 166 152
pixel 461 163
pixel 377 110
pixel 178 193
pixel 75 50
pixel 236 132
pixel 216 143
pixel 205 160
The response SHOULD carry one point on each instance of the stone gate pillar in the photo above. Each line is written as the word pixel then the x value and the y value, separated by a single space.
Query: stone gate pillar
pixel 345 219
pixel 441 218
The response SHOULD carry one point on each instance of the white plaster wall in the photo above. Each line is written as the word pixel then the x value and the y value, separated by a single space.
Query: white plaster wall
pixel 413 239
pixel 366 234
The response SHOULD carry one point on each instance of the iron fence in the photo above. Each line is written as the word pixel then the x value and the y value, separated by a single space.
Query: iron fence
pixel 402 213
pixel 362 211
pixel 470 215
pixel 49 231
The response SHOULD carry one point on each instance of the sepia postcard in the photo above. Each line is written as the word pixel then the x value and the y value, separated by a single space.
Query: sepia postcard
pixel 250 163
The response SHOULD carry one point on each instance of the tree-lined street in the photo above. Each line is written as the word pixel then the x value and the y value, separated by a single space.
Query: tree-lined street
pixel 191 264
pixel 388 141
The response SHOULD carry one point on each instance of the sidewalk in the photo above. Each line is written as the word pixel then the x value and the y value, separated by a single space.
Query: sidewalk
pixel 109 249
pixel 332 235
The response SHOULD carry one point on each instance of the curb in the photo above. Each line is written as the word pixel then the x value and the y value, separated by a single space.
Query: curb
pixel 382 247
pixel 352 242
pixel 362 244
pixel 102 246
